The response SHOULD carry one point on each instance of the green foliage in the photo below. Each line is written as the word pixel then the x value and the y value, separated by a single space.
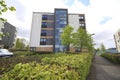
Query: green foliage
pixel 102 48
pixel 12 8
pixel 23 53
pixel 7 64
pixel 83 40
pixel 66 36
pixel 115 58
pixel 52 67
pixel 17 43
pixel 4 8
pixel 27 47
pixel 80 39
pixel 20 44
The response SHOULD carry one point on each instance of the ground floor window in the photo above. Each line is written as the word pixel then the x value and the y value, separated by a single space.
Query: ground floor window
pixel 32 48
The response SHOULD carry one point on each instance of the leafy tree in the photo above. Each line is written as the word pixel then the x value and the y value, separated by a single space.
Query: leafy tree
pixel 102 48
pixel 98 49
pixel 27 47
pixel 4 8
pixel 81 39
pixel 66 36
pixel 20 43
pixel 17 43
pixel 90 42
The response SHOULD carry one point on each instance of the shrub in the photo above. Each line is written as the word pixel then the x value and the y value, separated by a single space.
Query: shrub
pixel 57 67
pixel 115 58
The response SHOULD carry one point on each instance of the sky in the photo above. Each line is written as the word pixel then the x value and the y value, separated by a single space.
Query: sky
pixel 102 16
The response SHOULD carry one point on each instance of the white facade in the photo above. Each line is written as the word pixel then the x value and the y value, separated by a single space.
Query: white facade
pixel 117 40
pixel 35 30
pixel 73 20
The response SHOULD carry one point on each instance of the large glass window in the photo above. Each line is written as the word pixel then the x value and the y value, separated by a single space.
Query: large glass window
pixel 42 41
pixel 44 17
pixel 43 32
pixel 32 49
pixel 44 24
pixel 82 25
pixel 60 22
pixel 62 25
pixel 81 18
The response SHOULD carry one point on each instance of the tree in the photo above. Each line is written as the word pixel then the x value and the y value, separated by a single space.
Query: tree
pixel 17 43
pixel 4 8
pixel 27 47
pixel 23 43
pixel 102 48
pixel 66 36
pixel 81 39
pixel 20 43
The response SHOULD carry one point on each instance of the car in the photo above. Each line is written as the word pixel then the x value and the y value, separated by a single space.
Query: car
pixel 5 52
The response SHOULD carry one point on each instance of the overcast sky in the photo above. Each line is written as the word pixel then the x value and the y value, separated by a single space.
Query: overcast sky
pixel 102 16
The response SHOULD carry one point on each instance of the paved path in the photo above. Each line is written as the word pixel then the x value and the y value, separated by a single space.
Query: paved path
pixel 102 69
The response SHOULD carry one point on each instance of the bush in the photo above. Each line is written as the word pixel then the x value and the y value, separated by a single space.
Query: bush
pixel 52 67
pixel 115 58
pixel 26 53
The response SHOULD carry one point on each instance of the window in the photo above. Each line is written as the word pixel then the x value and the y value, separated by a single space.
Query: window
pixel 81 25
pixel 60 11
pixel 64 19
pixel 44 17
pixel 62 22
pixel 81 18
pixel 57 41
pixel 57 20
pixel 42 41
pixel 44 25
pixel 32 49
pixel 62 25
pixel 43 32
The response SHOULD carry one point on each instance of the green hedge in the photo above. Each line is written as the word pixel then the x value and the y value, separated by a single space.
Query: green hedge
pixel 59 67
pixel 115 58
pixel 6 64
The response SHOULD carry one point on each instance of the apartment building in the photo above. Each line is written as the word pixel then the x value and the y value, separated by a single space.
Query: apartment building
pixel 8 31
pixel 117 40
pixel 47 27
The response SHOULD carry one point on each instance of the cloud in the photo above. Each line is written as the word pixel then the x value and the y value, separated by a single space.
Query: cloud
pixel 105 38
pixel 68 2
pixel 20 9
pixel 105 19
pixel 85 2
pixel 102 16
pixel 25 33
pixel 97 12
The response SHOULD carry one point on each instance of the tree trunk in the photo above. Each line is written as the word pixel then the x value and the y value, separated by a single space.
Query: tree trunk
pixel 68 48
